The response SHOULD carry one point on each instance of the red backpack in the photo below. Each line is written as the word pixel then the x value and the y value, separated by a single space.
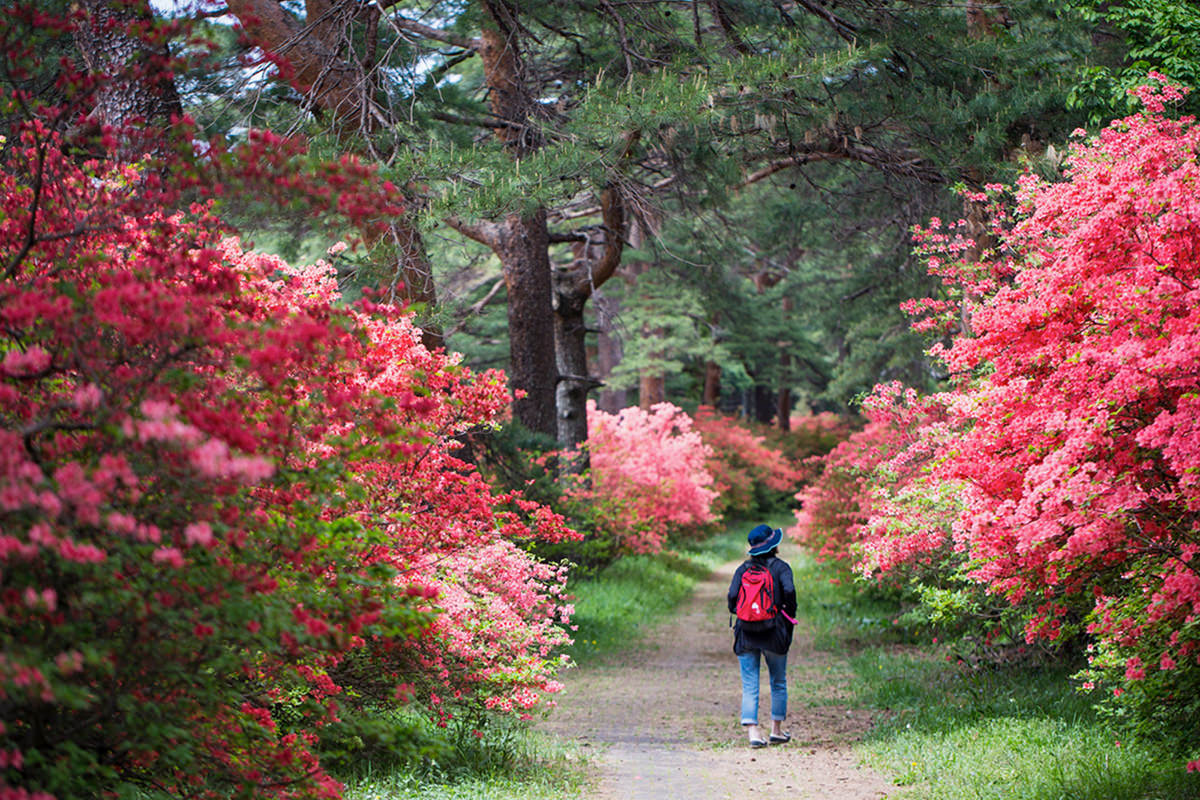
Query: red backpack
pixel 756 599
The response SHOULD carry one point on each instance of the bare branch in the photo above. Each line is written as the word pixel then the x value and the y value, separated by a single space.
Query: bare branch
pixel 784 163
pixel 477 307
pixel 476 122
pixel 428 32
pixel 725 22
pixel 842 28
pixel 486 233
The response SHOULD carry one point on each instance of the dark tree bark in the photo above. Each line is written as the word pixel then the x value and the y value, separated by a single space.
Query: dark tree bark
pixel 783 405
pixel 523 248
pixel 712 385
pixel 596 262
pixel 571 360
pixel 608 354
pixel 137 95
pixel 652 390
pixel 520 242
pixel 762 404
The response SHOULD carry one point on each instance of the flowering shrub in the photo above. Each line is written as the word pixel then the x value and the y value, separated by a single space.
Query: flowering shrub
pixel 748 473
pixel 1083 455
pixel 849 481
pixel 1073 469
pixel 648 476
pixel 222 493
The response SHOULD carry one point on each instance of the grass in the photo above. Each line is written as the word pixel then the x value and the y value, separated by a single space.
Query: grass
pixel 944 732
pixel 509 761
pixel 948 732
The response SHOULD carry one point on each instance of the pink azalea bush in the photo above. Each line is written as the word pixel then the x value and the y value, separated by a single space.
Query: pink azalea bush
pixel 847 487
pixel 1088 416
pixel 648 476
pixel 219 488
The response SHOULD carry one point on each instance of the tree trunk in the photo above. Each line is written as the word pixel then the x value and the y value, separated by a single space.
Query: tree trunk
pixel 608 355
pixel 763 406
pixel 783 407
pixel 522 245
pixel 595 262
pixel 652 389
pixel 137 94
pixel 712 385
pixel 570 344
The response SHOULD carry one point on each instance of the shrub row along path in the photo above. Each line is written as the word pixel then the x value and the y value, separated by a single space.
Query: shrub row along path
pixel 661 716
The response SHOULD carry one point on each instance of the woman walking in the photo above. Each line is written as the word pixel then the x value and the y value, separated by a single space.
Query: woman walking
pixel 762 595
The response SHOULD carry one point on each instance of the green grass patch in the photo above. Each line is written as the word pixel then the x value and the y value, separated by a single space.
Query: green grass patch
pixel 492 759
pixel 842 619
pixel 951 732
pixel 613 603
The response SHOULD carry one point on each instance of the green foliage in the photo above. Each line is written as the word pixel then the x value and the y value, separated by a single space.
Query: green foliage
pixel 1139 686
pixel 468 758
pixel 384 738
pixel 1144 35
pixel 979 627
pixel 512 457
pixel 665 330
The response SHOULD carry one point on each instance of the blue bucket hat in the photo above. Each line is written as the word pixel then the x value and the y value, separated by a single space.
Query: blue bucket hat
pixel 763 540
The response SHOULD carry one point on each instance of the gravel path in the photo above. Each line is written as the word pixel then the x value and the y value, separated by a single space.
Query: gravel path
pixel 663 717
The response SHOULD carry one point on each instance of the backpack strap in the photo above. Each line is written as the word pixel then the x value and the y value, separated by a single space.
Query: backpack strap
pixel 779 588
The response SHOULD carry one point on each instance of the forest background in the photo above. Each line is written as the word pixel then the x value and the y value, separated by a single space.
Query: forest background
pixel 586 278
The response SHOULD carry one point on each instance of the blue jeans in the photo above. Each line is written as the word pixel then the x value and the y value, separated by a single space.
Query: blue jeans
pixel 777 669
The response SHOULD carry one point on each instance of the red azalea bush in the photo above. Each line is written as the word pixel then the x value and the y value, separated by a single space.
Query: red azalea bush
pixel 648 476
pixel 1075 469
pixel 498 614
pixel 836 504
pixel 219 490
pixel 1082 458
pixel 749 474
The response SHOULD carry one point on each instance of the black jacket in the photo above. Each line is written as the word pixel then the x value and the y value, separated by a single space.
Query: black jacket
pixel 778 638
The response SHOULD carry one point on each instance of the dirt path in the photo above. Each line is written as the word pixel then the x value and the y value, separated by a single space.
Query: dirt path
pixel 663 717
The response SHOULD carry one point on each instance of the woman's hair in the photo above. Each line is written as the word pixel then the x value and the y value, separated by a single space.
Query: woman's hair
pixel 774 551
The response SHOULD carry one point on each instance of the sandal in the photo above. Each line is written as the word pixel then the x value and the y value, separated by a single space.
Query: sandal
pixel 757 743
pixel 782 738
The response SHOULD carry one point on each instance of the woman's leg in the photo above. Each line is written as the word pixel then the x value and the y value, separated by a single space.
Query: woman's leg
pixel 777 669
pixel 748 662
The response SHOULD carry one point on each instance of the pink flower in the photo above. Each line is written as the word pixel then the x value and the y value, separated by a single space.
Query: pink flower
pixel 198 533
pixel 87 397
pixel 171 556
pixel 20 363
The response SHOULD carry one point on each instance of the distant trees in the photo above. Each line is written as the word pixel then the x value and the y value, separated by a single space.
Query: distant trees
pixel 851 119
